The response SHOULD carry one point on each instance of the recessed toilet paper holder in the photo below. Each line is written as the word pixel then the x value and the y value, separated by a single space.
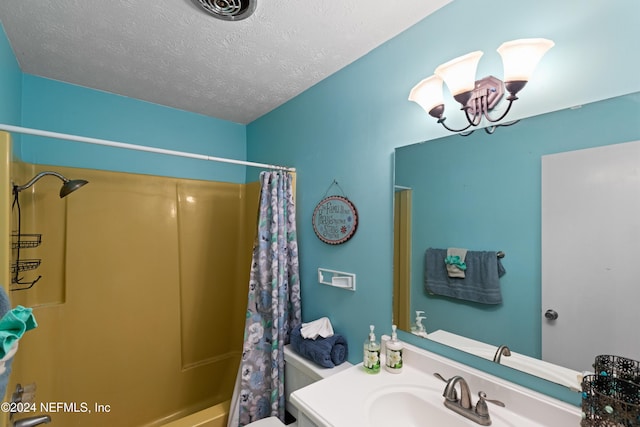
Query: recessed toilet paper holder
pixel 338 279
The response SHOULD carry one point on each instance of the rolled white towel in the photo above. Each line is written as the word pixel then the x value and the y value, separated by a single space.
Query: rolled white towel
pixel 318 328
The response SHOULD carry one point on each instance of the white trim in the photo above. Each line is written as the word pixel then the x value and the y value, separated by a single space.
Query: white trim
pixel 69 137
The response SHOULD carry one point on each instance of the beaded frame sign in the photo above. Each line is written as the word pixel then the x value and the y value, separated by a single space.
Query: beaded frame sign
pixel 335 220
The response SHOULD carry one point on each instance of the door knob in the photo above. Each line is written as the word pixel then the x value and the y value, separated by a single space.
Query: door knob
pixel 551 314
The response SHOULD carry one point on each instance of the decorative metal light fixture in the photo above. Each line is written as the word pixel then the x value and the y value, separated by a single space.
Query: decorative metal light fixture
pixel 478 98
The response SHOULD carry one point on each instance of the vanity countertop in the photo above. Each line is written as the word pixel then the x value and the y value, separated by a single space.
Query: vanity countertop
pixel 345 399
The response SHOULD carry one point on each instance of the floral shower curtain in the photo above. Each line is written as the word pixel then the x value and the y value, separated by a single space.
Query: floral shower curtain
pixel 273 307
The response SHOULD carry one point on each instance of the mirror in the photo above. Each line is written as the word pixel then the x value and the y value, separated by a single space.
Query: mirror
pixel 483 192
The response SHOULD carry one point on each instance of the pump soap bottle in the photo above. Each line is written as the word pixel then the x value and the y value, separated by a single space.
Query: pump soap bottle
pixel 393 361
pixel 371 353
pixel 418 328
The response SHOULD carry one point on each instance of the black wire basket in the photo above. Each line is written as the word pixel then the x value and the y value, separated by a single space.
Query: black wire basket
pixel 611 397
pixel 618 367
pixel 25 241
pixel 24 265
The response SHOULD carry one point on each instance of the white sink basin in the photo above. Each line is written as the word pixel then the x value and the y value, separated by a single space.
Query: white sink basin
pixel 410 407
pixel 417 406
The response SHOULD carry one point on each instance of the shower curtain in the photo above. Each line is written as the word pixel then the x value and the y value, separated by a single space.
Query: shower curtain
pixel 273 307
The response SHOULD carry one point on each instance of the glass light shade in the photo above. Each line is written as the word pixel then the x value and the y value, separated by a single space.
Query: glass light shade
pixel 460 74
pixel 428 93
pixel 520 57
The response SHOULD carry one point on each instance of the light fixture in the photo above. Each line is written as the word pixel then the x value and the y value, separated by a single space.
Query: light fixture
pixel 227 10
pixel 478 98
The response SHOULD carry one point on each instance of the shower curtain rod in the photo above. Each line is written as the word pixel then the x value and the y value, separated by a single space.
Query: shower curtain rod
pixel 69 137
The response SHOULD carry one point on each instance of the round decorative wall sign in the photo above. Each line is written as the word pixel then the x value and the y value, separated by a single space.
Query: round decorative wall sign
pixel 335 220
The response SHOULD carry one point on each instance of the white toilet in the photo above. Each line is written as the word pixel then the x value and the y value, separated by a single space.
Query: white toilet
pixel 298 372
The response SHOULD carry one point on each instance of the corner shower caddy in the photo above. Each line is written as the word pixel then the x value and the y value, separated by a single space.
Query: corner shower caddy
pixel 23 241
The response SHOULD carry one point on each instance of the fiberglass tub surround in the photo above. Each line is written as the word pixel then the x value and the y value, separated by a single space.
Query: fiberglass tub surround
pixel 135 270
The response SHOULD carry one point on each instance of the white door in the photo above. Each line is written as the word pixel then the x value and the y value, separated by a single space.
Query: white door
pixel 591 254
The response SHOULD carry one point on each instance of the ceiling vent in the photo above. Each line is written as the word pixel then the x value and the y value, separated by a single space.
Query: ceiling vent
pixel 228 10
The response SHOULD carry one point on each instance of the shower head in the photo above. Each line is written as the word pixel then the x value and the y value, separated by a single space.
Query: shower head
pixel 68 185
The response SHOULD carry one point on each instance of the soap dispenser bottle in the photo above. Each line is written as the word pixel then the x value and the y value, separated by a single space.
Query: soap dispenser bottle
pixel 418 328
pixel 371 360
pixel 393 359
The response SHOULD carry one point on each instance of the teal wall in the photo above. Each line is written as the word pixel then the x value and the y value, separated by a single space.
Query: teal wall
pixel 347 126
pixel 10 83
pixel 40 103
pixel 60 107
pixel 483 192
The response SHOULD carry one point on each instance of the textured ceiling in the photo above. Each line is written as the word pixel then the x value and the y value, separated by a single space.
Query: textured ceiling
pixel 171 53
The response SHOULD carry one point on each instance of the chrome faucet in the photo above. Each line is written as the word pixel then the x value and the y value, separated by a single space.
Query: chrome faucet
pixel 503 350
pixel 32 421
pixel 463 405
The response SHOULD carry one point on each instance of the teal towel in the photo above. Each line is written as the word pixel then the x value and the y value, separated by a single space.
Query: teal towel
pixel 13 325
pixel 455 260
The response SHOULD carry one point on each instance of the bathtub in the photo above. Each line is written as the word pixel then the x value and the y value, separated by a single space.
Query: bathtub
pixel 214 416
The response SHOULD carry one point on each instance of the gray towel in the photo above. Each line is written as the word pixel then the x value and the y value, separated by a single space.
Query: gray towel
pixel 327 352
pixel 482 277
pixel 5 304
